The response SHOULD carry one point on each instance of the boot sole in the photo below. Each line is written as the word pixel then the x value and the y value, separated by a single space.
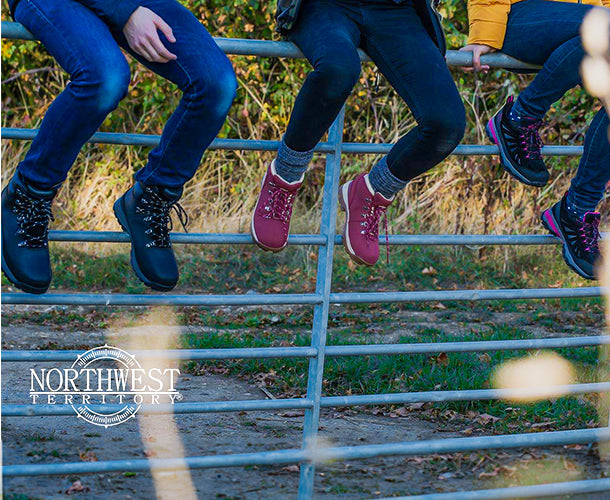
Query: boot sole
pixel 551 225
pixel 20 284
pixel 346 244
pixel 119 213
pixel 505 161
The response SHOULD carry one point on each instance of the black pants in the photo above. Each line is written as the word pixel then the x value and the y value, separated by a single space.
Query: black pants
pixel 329 33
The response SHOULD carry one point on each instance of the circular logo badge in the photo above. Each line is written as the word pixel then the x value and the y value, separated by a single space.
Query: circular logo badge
pixel 107 369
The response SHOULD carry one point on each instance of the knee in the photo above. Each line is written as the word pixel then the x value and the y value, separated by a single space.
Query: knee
pixel 216 92
pixel 445 129
pixel 336 77
pixel 103 87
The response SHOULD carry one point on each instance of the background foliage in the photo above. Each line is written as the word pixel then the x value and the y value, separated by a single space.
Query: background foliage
pixel 462 195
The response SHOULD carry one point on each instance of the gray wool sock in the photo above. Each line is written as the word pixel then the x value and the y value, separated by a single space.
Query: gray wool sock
pixel 290 165
pixel 383 181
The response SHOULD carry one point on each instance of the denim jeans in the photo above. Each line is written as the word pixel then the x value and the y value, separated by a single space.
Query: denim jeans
pixel 548 33
pixel 90 51
pixel 329 33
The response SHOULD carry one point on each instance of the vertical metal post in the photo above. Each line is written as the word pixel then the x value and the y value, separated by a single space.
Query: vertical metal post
pixel 321 311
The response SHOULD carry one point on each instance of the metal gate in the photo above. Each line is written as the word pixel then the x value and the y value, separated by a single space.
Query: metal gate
pixel 307 455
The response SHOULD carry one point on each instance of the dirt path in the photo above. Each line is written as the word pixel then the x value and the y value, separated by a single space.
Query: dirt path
pixel 66 439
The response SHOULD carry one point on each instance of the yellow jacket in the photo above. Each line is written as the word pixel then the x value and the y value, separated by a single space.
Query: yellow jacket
pixel 488 19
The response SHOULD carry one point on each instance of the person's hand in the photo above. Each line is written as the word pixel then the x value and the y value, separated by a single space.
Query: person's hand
pixel 477 51
pixel 140 30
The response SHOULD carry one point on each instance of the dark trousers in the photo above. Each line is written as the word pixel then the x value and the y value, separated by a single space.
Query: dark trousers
pixel 99 77
pixel 329 33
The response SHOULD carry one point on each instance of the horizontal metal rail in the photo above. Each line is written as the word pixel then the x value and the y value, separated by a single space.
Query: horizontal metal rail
pixel 314 239
pixel 146 140
pixel 115 299
pixel 268 48
pixel 37 410
pixel 120 299
pixel 554 490
pixel 332 351
pixel 320 455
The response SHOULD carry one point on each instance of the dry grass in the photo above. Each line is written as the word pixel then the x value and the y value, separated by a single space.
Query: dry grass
pixel 463 195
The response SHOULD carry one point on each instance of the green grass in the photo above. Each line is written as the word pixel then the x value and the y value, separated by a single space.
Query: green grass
pixel 214 270
pixel 412 373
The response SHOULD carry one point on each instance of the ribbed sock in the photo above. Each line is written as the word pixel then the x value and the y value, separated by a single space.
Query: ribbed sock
pixel 383 181
pixel 290 165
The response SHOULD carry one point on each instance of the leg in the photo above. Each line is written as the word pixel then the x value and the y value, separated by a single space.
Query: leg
pixel 547 33
pixel 421 77
pixel 589 184
pixel 98 81
pixel 329 39
pixel 206 78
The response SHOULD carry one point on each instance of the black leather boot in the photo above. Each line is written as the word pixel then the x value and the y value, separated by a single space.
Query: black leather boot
pixel 26 212
pixel 144 212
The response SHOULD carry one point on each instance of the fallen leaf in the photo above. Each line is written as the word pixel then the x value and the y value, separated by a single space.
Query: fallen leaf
pixel 77 487
pixel 87 456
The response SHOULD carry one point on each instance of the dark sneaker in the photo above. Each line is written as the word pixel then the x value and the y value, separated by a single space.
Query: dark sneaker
pixel 271 218
pixel 363 211
pixel 145 213
pixel 26 212
pixel 519 146
pixel 580 238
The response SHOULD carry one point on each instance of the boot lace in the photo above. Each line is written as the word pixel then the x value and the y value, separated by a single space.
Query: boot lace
pixel 33 215
pixel 279 204
pixel 531 140
pixel 589 235
pixel 157 212
pixel 370 224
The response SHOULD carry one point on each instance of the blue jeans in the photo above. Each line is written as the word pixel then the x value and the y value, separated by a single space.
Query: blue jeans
pixel 329 33
pixel 90 52
pixel 548 33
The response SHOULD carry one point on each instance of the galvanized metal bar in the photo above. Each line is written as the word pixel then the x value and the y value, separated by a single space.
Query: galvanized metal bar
pixel 331 351
pixel 465 395
pixel 314 239
pixel 36 410
pixel 324 276
pixel 268 48
pixel 116 299
pixel 173 354
pixel 64 410
pixel 320 455
pixel 146 140
pixel 179 238
pixel 465 295
pixel 554 490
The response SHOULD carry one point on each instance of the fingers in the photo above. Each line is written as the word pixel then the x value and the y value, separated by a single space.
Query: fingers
pixel 160 51
pixel 165 29
pixel 466 68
